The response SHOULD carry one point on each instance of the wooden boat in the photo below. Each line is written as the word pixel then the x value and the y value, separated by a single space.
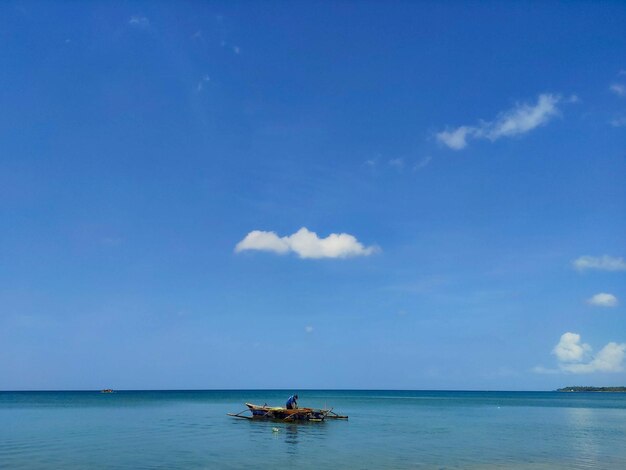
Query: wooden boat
pixel 283 414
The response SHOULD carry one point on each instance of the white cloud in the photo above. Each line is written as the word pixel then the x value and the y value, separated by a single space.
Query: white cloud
pixel 618 89
pixel 306 244
pixel 609 359
pixel 523 118
pixel 139 21
pixel 263 241
pixel 308 329
pixel 603 300
pixel 569 348
pixel 602 263
pixel 576 357
pixel 520 119
pixel 457 138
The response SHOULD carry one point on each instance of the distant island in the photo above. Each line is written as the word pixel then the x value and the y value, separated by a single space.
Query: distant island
pixel 592 389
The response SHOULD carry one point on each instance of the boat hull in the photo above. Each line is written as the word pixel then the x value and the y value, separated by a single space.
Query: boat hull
pixel 284 414
pixel 276 413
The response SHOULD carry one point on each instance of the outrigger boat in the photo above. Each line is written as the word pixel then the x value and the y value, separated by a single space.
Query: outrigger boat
pixel 278 413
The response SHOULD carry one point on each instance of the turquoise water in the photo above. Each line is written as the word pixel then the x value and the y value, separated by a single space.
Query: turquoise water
pixel 386 429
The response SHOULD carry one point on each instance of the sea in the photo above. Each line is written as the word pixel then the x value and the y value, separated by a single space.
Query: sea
pixel 385 430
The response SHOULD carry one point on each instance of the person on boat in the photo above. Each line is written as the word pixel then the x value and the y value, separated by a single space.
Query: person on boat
pixel 292 402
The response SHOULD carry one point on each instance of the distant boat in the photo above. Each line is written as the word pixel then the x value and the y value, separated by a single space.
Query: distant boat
pixel 284 414
pixel 106 390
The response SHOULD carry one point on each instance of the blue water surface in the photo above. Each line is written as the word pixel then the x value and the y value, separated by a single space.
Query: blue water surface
pixel 386 429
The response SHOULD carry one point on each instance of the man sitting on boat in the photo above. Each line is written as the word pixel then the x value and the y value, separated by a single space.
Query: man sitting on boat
pixel 292 402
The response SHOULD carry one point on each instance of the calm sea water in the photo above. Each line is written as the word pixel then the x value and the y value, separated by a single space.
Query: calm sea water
pixel 386 429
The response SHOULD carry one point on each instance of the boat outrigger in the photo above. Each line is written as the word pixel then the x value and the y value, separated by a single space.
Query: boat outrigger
pixel 278 413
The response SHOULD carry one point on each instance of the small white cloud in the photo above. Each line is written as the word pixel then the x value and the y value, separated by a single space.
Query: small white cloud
pixel 602 263
pixel 603 300
pixel 237 50
pixel 306 244
pixel 570 349
pixel 618 88
pixel 456 139
pixel 576 357
pixel 519 120
pixel 308 329
pixel 139 21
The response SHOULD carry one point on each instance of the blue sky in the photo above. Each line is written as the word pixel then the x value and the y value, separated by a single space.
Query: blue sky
pixel 312 195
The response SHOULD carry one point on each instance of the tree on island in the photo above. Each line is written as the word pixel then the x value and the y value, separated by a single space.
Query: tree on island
pixel 591 389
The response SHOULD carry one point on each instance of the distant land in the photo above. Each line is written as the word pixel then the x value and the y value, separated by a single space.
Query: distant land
pixel 592 389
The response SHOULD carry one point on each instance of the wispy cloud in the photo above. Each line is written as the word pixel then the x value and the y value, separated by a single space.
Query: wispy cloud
pixel 397 163
pixel 519 120
pixel 601 263
pixel 308 329
pixel 422 163
pixel 573 99
pixel 139 21
pixel 618 122
pixel 603 300
pixel 306 244
pixel 228 46
pixel 618 88
pixel 206 79
pixel 574 356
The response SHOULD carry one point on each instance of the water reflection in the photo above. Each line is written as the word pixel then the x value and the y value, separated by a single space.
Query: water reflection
pixel 583 438
pixel 291 437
